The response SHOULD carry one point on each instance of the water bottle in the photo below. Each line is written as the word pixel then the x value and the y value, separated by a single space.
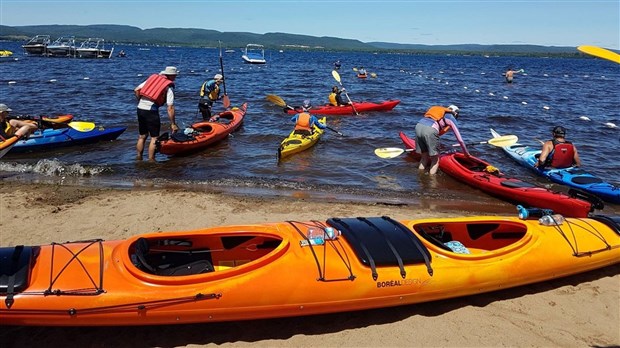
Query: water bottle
pixel 331 233
pixel 524 213
pixel 551 220
pixel 316 236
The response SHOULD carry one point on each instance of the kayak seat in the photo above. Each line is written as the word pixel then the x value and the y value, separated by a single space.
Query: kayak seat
pixel 15 267
pixel 171 263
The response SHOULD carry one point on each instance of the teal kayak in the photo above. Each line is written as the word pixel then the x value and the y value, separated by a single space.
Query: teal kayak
pixel 574 177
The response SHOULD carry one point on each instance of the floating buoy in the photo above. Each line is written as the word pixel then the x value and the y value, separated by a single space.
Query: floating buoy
pixel 505 97
pixel 53 80
pixel 12 82
pixel 610 125
pixel 465 87
pixel 546 107
pixel 139 74
pixel 87 78
pixel 491 93
pixel 585 118
pixel 477 91
pixel 524 103
pixel 545 75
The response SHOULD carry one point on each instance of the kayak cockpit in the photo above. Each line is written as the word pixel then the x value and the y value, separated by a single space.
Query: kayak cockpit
pixel 178 256
pixel 474 238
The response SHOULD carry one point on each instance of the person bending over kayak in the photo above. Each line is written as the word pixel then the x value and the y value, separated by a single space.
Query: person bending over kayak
pixel 9 128
pixel 305 122
pixel 436 121
pixel 336 99
pixel 558 152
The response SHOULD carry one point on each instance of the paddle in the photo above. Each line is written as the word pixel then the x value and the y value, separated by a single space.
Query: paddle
pixel 280 102
pixel 392 152
pixel 225 99
pixel 600 52
pixel 82 126
pixel 337 77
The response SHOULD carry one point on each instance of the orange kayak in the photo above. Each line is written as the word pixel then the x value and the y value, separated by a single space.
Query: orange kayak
pixel 203 134
pixel 291 268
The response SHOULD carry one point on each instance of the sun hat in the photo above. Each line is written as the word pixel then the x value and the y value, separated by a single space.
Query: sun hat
pixel 170 70
pixel 218 77
pixel 4 108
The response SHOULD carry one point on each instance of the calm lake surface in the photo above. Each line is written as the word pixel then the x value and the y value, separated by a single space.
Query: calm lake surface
pixel 552 91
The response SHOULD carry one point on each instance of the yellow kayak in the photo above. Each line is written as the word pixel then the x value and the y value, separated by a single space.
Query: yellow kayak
pixel 295 143
pixel 5 53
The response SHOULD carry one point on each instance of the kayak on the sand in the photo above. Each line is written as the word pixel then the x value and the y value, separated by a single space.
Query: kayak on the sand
pixel 292 268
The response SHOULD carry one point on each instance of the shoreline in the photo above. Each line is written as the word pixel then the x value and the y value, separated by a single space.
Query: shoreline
pixel 581 310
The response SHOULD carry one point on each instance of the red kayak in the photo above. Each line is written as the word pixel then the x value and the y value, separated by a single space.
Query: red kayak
pixel 202 134
pixel 483 176
pixel 360 107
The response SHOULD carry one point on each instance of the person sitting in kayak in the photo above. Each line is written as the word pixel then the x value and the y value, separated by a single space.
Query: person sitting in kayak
pixel 209 93
pixel 14 127
pixel 558 152
pixel 336 99
pixel 436 121
pixel 361 71
pixel 305 122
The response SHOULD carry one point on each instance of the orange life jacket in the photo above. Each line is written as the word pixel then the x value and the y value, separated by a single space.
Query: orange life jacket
pixel 303 122
pixel 437 113
pixel 563 154
pixel 155 89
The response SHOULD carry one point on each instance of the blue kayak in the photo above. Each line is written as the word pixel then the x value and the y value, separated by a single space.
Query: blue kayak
pixel 53 138
pixel 572 176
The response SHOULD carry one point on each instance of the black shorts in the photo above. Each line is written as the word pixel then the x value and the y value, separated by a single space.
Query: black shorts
pixel 148 122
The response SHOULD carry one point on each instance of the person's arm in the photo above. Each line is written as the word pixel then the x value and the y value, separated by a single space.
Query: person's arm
pixel 451 121
pixel 544 153
pixel 170 109
pixel 137 90
pixel 576 158
pixel 315 121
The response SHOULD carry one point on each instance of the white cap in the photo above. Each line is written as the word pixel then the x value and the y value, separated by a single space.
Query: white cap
pixel 454 108
pixel 218 77
pixel 170 70
pixel 4 108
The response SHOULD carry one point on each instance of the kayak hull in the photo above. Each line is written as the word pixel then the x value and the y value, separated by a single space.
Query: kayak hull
pixel 479 174
pixel 573 176
pixel 296 143
pixel 50 138
pixel 290 268
pixel 360 107
pixel 206 133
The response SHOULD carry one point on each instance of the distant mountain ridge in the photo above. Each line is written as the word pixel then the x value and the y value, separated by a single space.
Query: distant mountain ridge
pixel 211 38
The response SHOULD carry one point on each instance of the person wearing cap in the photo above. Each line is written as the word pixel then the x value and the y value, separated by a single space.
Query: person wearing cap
pixel 209 93
pixel 10 128
pixel 305 122
pixel 558 152
pixel 436 121
pixel 336 99
pixel 156 91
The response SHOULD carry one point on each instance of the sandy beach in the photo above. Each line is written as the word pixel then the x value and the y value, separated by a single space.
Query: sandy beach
pixel 579 311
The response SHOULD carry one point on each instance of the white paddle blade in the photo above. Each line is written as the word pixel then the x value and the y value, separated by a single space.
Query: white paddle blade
pixel 336 75
pixel 504 140
pixel 389 152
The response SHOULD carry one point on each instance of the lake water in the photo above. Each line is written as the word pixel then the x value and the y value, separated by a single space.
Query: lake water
pixel 552 91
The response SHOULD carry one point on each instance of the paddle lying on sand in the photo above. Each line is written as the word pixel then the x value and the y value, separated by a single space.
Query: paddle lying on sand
pixel 225 99
pixel 392 152
pixel 600 52
pixel 280 102
pixel 337 78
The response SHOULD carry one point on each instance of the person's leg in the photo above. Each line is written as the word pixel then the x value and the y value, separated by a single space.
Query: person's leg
pixel 424 161
pixel 140 146
pixel 434 165
pixel 142 134
pixel 152 148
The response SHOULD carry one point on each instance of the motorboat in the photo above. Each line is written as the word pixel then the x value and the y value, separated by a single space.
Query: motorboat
pixel 94 48
pixel 37 45
pixel 254 54
pixel 64 46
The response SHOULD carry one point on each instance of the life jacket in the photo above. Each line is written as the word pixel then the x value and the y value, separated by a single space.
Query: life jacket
pixel 212 95
pixel 155 89
pixel 562 155
pixel 6 130
pixel 303 122
pixel 332 99
pixel 438 113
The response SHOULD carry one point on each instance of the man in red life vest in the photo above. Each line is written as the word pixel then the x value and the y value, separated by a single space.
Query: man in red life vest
pixel 558 152
pixel 156 91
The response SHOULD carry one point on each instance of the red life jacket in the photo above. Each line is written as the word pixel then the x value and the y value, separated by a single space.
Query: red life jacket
pixel 303 122
pixel 563 154
pixel 155 89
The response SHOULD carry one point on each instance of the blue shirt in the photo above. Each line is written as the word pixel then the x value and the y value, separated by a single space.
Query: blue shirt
pixel 313 121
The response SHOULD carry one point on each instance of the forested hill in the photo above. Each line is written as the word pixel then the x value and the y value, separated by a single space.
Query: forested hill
pixel 210 38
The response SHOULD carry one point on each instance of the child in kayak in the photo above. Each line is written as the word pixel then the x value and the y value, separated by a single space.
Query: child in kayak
pixel 305 122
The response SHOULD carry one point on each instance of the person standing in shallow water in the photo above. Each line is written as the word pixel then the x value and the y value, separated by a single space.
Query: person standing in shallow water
pixel 209 93
pixel 509 74
pixel 156 91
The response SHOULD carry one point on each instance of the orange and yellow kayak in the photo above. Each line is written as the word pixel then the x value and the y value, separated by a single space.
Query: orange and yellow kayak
pixel 291 268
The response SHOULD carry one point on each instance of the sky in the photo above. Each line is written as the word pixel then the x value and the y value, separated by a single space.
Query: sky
pixel 439 22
